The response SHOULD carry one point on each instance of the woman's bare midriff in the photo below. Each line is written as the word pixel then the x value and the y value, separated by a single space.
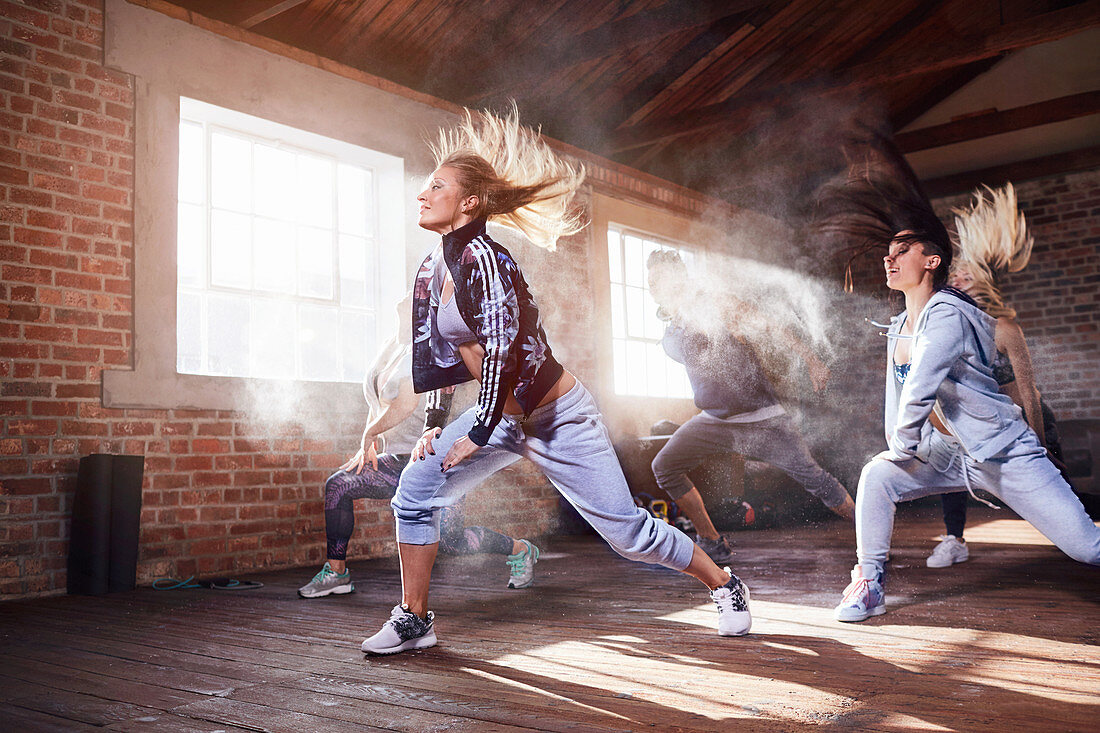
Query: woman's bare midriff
pixel 472 355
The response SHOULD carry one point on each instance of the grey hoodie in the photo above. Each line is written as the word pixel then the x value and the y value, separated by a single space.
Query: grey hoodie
pixel 952 365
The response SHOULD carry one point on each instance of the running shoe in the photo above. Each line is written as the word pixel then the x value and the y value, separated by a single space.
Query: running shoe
pixel 405 630
pixel 717 550
pixel 732 600
pixel 326 583
pixel 863 597
pixel 949 551
pixel 522 566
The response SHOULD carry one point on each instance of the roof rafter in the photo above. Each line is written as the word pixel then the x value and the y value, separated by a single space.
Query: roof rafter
pixel 1048 27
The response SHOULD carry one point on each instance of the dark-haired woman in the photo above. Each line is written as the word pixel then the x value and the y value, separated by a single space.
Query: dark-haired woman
pixel 948 427
pixel 475 318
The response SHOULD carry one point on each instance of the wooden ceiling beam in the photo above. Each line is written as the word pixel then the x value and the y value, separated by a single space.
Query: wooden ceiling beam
pixel 617 36
pixel 996 122
pixel 277 9
pixel 1041 29
pixel 1049 165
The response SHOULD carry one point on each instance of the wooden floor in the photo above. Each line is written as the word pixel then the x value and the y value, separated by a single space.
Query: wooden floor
pixel 1005 642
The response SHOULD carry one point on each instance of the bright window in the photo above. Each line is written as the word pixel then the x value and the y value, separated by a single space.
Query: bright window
pixel 278 257
pixel 641 366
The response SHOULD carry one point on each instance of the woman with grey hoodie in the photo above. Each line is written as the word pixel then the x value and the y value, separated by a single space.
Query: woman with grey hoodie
pixel 948 426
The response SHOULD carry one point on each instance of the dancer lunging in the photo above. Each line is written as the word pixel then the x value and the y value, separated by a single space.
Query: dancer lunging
pixel 475 318
pixel 948 427
pixel 740 411
pixel 372 475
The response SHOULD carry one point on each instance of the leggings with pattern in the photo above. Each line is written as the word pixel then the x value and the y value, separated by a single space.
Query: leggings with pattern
pixel 344 487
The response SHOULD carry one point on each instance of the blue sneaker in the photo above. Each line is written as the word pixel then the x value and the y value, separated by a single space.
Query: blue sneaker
pixel 863 597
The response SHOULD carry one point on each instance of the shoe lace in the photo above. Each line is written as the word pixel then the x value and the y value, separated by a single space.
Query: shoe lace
pixel 517 563
pixel 857 590
pixel 735 601
pixel 323 573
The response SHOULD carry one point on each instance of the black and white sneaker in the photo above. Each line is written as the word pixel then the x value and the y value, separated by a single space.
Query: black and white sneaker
pixel 732 600
pixel 405 630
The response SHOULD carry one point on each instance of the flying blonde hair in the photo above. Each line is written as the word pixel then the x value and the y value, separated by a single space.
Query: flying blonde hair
pixel 993 239
pixel 519 181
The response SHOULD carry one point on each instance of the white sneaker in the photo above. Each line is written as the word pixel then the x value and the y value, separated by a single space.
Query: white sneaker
pixel 405 630
pixel 863 597
pixel 521 566
pixel 327 582
pixel 949 551
pixel 732 600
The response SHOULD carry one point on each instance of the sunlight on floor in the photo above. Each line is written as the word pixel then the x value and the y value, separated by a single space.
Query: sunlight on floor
pixel 1005 532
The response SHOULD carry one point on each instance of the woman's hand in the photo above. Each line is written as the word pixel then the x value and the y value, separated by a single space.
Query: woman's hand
pixel 362 457
pixel 423 447
pixel 462 449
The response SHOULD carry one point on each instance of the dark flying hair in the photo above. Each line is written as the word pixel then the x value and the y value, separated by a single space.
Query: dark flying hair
pixel 880 199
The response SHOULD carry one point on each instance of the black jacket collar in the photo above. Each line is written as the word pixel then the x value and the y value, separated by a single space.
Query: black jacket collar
pixel 464 234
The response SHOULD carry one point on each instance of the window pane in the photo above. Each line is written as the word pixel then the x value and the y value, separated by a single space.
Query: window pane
pixel 191 245
pixel 273 178
pixel 188 333
pixel 227 327
pixel 621 379
pixel 230 249
pixel 634 259
pixel 274 253
pixel 315 263
pixel 635 318
pixel 272 352
pixel 192 181
pixel 315 201
pixel 353 190
pixel 231 172
pixel 318 343
pixel 654 327
pixel 354 286
pixel 618 316
pixel 614 256
pixel 358 344
pixel 655 371
pixel 636 379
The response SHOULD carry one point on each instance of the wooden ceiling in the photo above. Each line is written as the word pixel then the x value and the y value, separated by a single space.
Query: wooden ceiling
pixel 717 95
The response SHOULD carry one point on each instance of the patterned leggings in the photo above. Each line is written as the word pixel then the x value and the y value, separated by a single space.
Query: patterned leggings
pixel 344 487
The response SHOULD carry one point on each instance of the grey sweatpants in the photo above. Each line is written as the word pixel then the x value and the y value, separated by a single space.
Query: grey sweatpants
pixel 1021 476
pixel 774 440
pixel 566 439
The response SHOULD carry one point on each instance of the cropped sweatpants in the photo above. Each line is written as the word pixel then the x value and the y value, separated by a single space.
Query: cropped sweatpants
pixel 567 440
pixel 344 487
pixel 1021 476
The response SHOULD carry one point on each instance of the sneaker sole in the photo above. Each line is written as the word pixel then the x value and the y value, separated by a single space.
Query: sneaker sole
pixel 528 584
pixel 953 561
pixel 420 642
pixel 857 617
pixel 338 590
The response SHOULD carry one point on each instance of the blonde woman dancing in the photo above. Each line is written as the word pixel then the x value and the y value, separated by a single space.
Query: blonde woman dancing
pixel 475 318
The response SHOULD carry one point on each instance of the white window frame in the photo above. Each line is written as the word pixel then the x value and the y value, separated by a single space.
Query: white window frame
pixel 385 170
pixel 627 348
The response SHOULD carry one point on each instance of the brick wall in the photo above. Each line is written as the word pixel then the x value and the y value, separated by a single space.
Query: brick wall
pixel 1057 297
pixel 223 492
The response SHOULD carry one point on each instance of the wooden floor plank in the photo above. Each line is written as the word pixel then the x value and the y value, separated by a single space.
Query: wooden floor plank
pixel 1006 640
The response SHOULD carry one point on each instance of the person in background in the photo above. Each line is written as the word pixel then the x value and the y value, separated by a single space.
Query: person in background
pixel 372 475
pixel 740 410
pixel 993 240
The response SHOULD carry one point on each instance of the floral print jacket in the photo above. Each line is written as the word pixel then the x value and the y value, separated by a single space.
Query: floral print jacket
pixel 495 302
